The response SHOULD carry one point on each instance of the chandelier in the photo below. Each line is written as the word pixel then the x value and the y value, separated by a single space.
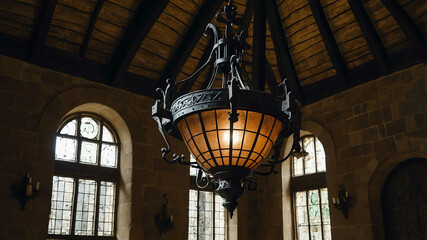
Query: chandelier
pixel 230 131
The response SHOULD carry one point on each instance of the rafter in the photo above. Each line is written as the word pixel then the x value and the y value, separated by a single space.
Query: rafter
pixel 271 79
pixel 370 35
pixel 145 17
pixel 247 16
pixel 409 28
pixel 42 29
pixel 283 55
pixel 329 40
pixel 89 31
pixel 258 58
pixel 206 13
pixel 187 86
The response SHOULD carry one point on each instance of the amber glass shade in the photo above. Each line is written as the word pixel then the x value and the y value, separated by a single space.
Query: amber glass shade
pixel 209 134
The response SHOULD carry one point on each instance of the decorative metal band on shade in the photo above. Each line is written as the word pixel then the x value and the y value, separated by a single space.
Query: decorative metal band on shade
pixel 207 135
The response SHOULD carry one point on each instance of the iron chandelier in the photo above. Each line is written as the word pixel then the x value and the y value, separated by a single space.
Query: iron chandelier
pixel 229 131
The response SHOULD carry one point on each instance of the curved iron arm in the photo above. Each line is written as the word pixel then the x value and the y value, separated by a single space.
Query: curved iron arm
pixel 202 181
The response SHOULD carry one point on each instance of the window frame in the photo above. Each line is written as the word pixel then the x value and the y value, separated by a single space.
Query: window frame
pixel 97 173
pixel 209 188
pixel 307 182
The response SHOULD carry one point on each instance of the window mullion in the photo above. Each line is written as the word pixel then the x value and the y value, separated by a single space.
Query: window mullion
pixel 79 140
pixel 98 191
pixel 320 208
pixel 100 143
pixel 198 225
pixel 308 214
pixel 76 194
pixel 303 158
pixel 213 215
pixel 315 153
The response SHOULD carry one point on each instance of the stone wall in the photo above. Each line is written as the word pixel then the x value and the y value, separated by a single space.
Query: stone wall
pixel 33 101
pixel 373 127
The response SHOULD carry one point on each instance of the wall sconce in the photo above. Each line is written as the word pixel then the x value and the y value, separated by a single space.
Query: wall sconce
pixel 343 201
pixel 24 190
pixel 164 221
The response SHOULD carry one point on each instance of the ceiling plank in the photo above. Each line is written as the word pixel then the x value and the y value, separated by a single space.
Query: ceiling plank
pixel 283 55
pixel 370 34
pixel 145 17
pixel 329 41
pixel 409 28
pixel 89 31
pixel 41 30
pixel 190 40
pixel 258 49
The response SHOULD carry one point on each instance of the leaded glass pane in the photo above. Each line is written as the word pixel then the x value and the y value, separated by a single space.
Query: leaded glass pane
pixel 107 136
pixel 61 205
pixel 108 155
pixel 320 157
pixel 107 198
pixel 89 153
pixel 325 214
pixel 70 128
pixel 298 166
pixel 310 162
pixel 85 209
pixel 89 128
pixel 192 215
pixel 220 219
pixel 316 232
pixel 314 207
pixel 65 149
pixel 205 215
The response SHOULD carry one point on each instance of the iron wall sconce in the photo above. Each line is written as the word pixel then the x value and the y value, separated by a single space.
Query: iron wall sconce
pixel 343 201
pixel 24 190
pixel 164 221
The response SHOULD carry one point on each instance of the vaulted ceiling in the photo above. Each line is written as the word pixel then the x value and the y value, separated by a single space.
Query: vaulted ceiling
pixel 321 46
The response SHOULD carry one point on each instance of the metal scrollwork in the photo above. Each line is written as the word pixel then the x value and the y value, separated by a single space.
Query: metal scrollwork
pixel 202 181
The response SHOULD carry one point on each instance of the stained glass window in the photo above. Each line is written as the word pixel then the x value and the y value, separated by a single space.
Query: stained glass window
pixel 84 198
pixel 314 162
pixel 206 215
pixel 312 215
pixel 312 220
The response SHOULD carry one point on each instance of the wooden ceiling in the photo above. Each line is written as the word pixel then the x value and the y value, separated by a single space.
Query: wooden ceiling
pixel 321 46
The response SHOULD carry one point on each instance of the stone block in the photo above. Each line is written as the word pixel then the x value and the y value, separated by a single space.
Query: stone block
pixel 369 91
pixel 339 115
pixel 356 138
pixel 370 134
pixel 375 118
pixel 356 123
pixel 421 120
pixel 12 85
pixel 351 152
pixel 396 127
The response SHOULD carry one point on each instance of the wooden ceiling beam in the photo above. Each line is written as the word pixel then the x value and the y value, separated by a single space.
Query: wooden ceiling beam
pixel 271 79
pixel 371 35
pixel 187 86
pixel 145 17
pixel 41 30
pixel 409 28
pixel 247 16
pixel 89 30
pixel 194 33
pixel 283 55
pixel 258 49
pixel 329 41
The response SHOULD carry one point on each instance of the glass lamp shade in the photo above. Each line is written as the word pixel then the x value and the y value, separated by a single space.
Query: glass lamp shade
pixel 216 143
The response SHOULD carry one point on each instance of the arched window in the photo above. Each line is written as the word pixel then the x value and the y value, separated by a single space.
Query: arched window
pixel 310 195
pixel 207 218
pixel 85 181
